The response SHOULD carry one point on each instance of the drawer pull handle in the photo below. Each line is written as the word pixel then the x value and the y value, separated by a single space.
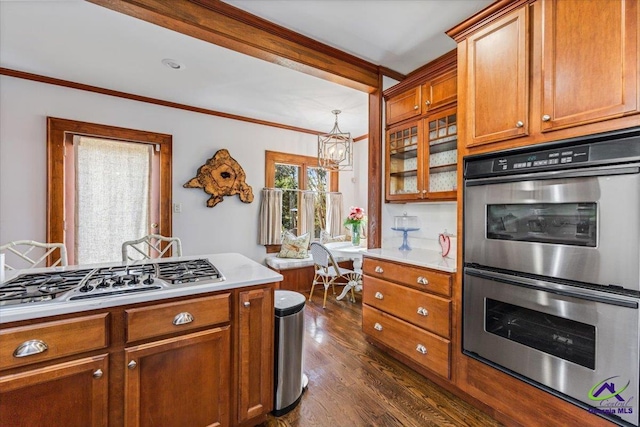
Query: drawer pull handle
pixel 97 373
pixel 132 364
pixel 29 348
pixel 182 318
pixel 378 269
pixel 247 303
pixel 422 281
pixel 379 295
pixel 421 349
pixel 423 311
pixel 377 327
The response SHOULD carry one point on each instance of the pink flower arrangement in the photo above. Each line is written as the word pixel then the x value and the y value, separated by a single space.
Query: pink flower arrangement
pixel 356 216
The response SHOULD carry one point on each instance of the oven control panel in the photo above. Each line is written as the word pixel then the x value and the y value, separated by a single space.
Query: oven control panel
pixel 547 159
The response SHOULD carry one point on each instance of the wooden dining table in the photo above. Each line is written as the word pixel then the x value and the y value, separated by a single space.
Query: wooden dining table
pixel 348 250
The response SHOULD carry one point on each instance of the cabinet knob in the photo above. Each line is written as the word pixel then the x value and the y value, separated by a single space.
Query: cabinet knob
pixel 132 364
pixel 247 303
pixel 546 118
pixel 415 107
pixel 29 348
pixel 427 102
pixel 424 191
pixel 377 327
pixel 421 349
pixel 183 318
pixel 378 269
pixel 97 373
pixel 519 124
pixel 423 311
pixel 422 281
pixel 379 295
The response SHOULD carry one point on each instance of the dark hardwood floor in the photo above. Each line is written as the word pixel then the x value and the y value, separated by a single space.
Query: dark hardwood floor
pixel 352 383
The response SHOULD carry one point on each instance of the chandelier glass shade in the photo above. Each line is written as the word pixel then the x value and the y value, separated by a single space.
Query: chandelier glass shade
pixel 335 149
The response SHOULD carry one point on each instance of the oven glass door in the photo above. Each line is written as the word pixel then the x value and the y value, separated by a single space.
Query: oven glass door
pixel 564 338
pixel 573 224
pixel 584 229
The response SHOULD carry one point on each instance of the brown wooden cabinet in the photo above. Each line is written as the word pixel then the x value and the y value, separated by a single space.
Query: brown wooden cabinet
pixel 548 70
pixel 421 140
pixel 179 381
pixel 422 157
pixel 440 91
pixel 589 61
pixel 404 168
pixel 404 106
pixel 408 309
pixel 497 78
pixel 255 353
pixel 196 361
pixel 73 393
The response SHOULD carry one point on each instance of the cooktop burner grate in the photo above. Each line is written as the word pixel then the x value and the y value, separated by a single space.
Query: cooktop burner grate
pixel 36 287
pixel 188 271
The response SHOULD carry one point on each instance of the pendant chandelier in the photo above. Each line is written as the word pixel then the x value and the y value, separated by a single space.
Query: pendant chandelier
pixel 335 149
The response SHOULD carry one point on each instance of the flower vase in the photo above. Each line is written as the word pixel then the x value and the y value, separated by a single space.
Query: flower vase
pixel 356 232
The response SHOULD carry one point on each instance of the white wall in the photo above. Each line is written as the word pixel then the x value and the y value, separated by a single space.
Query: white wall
pixel 231 226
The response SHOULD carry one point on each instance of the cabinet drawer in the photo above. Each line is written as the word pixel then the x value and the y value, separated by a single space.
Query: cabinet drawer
pixel 415 277
pixel 424 348
pixel 162 319
pixel 45 341
pixel 424 310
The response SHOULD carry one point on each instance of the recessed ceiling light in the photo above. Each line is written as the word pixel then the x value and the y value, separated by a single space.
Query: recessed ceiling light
pixel 173 64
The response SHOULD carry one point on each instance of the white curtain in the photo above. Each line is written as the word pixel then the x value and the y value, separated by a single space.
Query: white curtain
pixel 270 217
pixel 334 214
pixel 308 213
pixel 113 180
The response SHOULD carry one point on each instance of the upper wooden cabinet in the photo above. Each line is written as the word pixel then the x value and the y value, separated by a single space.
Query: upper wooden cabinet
pixel 589 61
pixel 422 139
pixel 547 70
pixel 439 91
pixel 497 62
pixel 404 106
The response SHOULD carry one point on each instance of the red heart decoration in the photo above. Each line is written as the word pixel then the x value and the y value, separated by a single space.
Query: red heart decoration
pixel 445 244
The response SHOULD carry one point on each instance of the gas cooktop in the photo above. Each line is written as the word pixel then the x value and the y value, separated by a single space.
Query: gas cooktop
pixel 86 283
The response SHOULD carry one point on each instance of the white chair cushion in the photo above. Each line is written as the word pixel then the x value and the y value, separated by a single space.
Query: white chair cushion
pixel 277 263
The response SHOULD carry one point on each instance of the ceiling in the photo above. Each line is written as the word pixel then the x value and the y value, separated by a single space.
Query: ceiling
pixel 85 43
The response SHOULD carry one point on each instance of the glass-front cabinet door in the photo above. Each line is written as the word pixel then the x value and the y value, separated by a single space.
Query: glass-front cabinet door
pixel 441 138
pixel 404 162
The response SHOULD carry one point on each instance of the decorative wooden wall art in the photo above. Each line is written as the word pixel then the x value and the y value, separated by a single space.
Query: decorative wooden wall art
pixel 221 176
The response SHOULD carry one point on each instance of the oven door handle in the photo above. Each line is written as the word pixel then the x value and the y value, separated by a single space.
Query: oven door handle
pixel 573 173
pixel 555 288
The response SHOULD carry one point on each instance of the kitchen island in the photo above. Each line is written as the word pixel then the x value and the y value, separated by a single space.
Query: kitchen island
pixel 194 353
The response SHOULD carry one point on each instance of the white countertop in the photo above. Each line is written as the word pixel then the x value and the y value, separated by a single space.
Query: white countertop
pixel 419 257
pixel 238 270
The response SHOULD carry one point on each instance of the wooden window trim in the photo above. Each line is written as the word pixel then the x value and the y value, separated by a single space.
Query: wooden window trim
pixel 60 131
pixel 273 157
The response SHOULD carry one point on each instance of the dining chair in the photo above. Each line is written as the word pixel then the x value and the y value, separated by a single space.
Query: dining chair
pixel 327 271
pixel 151 246
pixel 22 249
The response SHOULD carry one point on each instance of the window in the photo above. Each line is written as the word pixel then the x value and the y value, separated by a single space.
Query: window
pixel 292 173
pixel 106 185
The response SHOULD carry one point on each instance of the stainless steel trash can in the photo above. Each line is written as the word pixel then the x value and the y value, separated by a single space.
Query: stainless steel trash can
pixel 290 381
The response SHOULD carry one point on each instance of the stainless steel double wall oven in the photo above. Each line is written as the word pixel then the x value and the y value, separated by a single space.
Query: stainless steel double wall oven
pixel 551 281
